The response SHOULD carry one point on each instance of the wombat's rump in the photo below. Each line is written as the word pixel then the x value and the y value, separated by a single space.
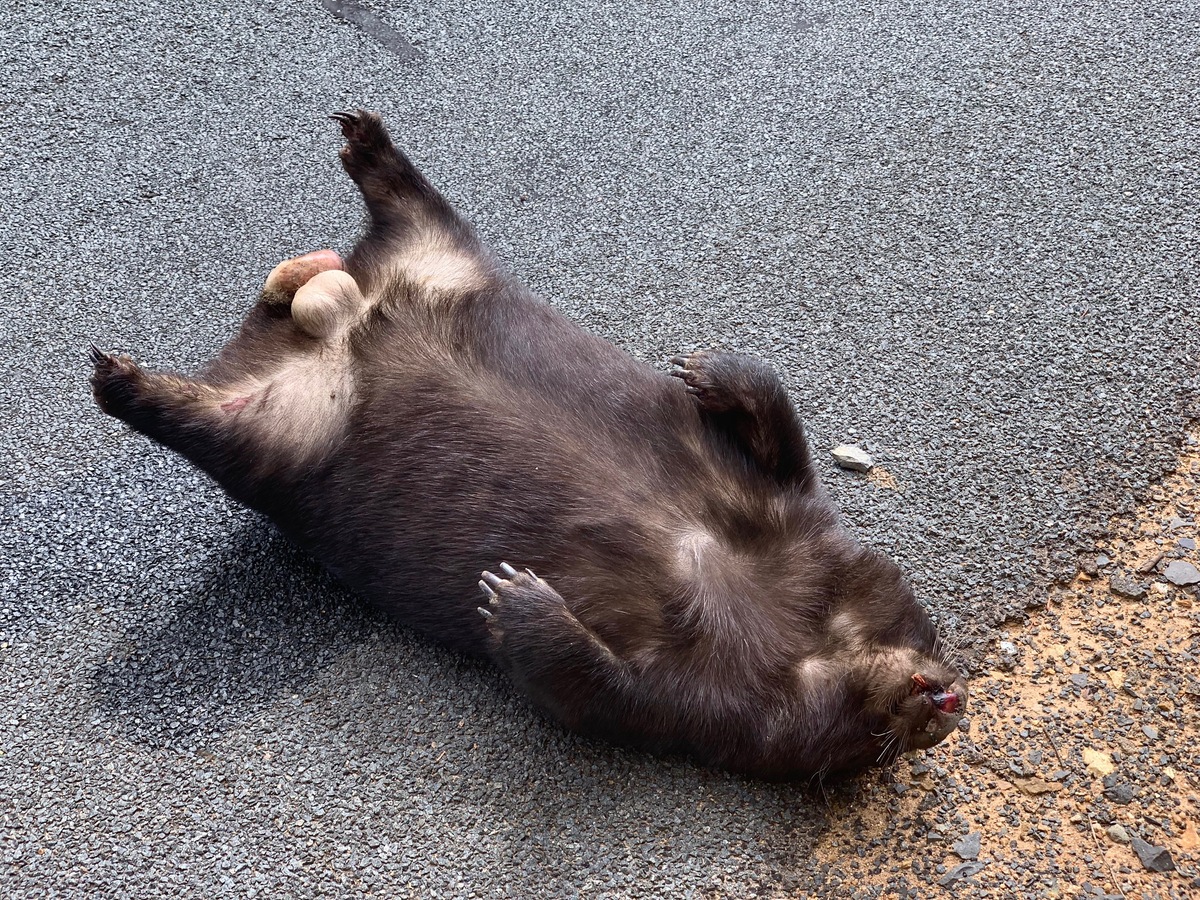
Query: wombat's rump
pixel 415 417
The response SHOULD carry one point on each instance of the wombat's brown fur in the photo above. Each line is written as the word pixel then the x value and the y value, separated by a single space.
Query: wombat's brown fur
pixel 415 417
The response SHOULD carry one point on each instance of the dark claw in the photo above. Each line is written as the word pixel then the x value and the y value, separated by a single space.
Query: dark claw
pixel 348 121
pixel 680 361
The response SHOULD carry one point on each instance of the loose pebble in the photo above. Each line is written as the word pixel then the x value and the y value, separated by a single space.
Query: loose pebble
pixel 848 456
pixel 1180 572
pixel 967 847
pixel 1126 587
pixel 1153 857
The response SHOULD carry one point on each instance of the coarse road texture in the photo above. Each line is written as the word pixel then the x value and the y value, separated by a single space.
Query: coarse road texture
pixel 967 234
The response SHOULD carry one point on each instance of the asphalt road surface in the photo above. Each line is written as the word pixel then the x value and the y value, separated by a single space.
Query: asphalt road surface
pixel 967 235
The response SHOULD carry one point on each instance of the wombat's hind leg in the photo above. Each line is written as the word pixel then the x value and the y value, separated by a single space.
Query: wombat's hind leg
pixel 143 399
pixel 396 193
pixel 180 413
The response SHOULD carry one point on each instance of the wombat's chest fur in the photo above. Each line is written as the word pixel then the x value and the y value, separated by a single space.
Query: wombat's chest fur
pixel 650 558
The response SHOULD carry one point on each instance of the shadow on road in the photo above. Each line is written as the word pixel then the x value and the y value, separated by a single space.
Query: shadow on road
pixel 263 624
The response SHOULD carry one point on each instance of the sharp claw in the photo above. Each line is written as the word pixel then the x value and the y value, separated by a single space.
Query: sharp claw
pixel 491 581
pixel 532 574
pixel 487 589
pixel 680 361
pixel 509 571
pixel 485 613
pixel 347 120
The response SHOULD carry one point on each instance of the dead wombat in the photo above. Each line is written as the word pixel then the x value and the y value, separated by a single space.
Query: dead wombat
pixel 415 417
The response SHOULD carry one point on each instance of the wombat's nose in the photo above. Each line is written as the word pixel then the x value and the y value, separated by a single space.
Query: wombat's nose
pixel 946 701
pixel 952 700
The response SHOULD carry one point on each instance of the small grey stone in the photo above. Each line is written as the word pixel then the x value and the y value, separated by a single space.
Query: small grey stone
pixel 1080 680
pixel 1153 857
pixel 967 847
pixel 1120 794
pixel 848 456
pixel 1102 560
pixel 1127 587
pixel 1118 834
pixel 1009 655
pixel 962 870
pixel 1180 572
pixel 1150 731
pixel 1187 544
pixel 1019 767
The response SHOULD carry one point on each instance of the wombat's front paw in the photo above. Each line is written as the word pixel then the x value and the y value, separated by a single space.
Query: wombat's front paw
pixel 514 595
pixel 115 382
pixel 702 373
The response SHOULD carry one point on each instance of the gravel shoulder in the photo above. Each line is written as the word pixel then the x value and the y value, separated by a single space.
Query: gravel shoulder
pixel 1078 775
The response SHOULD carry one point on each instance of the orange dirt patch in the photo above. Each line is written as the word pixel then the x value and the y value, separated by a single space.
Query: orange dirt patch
pixel 881 477
pixel 1084 733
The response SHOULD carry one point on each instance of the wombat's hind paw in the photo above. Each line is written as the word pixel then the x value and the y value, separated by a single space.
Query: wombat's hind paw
pixel 114 381
pixel 96 355
pixel 368 145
